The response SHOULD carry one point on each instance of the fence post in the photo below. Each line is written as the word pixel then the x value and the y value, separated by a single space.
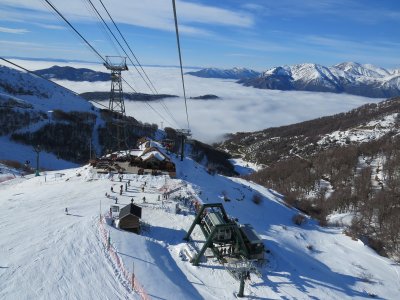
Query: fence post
pixel 108 240
pixel 133 275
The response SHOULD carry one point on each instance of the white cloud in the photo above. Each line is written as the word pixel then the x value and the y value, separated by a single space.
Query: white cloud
pixel 13 30
pixel 155 14
pixel 356 10
pixel 18 48
pixel 50 26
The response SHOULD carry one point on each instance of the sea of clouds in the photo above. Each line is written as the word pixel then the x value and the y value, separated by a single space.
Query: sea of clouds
pixel 239 109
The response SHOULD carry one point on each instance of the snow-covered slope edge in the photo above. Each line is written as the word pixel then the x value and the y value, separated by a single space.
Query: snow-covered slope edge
pixel 57 256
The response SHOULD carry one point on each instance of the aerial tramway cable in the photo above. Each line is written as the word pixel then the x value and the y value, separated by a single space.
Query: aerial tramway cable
pixel 180 61
pixel 97 53
pixel 152 88
pixel 99 16
pixel 126 43
pixel 76 31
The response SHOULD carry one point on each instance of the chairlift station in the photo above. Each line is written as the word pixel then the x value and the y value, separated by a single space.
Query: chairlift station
pixel 222 232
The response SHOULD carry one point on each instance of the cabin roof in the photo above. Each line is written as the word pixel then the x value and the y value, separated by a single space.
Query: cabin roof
pixel 250 234
pixel 157 155
pixel 130 209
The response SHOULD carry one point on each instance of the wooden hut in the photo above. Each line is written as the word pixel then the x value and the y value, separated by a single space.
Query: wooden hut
pixel 129 217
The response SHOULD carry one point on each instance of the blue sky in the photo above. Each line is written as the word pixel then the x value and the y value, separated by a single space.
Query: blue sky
pixel 257 34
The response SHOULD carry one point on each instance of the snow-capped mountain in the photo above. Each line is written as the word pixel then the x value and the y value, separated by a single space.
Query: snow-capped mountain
pixel 366 70
pixel 234 73
pixel 73 74
pixel 352 78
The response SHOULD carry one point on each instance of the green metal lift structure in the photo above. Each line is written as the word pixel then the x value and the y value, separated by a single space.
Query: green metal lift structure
pixel 226 225
pixel 218 228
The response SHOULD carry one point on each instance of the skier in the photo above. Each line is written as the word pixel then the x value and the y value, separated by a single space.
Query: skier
pixel 126 187
pixel 144 199
pixel 66 211
pixel 116 200
pixel 112 190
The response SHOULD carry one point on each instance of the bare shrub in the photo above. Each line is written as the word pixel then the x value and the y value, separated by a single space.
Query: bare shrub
pixel 257 199
pixel 299 219
pixel 12 164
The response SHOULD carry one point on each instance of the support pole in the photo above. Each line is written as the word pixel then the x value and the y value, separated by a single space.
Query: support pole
pixel 182 146
pixel 205 246
pixel 37 150
pixel 90 148
pixel 133 275
pixel 241 288
pixel 196 221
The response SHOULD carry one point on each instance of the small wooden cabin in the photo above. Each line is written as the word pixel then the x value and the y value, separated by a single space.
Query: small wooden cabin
pixel 253 241
pixel 129 218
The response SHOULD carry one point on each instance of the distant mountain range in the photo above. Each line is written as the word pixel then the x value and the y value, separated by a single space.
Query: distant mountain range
pixel 73 74
pixel 235 73
pixel 102 96
pixel 349 77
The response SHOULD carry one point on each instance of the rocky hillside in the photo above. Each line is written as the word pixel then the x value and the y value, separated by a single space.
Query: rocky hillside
pixel 234 73
pixel 34 112
pixel 343 169
pixel 102 96
pixel 352 78
pixel 73 74
pixel 366 123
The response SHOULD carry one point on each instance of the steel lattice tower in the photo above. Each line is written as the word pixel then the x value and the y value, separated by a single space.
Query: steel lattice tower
pixel 117 64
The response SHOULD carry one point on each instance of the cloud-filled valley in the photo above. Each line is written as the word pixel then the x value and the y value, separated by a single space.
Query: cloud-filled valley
pixel 239 109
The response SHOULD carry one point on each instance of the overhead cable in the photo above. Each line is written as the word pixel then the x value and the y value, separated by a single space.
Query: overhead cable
pixel 115 38
pixel 126 43
pixel 76 31
pixel 180 61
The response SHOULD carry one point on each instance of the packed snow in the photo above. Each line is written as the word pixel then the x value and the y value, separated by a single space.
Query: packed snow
pixel 46 254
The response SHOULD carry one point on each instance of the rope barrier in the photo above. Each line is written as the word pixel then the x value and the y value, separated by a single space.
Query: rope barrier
pixel 117 261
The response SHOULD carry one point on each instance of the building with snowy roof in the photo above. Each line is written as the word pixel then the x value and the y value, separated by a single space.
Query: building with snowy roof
pixel 129 217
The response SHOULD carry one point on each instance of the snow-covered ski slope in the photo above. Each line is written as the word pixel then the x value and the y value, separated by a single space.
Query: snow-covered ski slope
pixel 46 254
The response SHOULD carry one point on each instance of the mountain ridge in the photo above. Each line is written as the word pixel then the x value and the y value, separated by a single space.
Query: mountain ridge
pixel 347 77
pixel 234 73
pixel 73 74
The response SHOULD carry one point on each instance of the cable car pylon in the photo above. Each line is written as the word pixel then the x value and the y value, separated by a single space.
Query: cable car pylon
pixel 117 64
